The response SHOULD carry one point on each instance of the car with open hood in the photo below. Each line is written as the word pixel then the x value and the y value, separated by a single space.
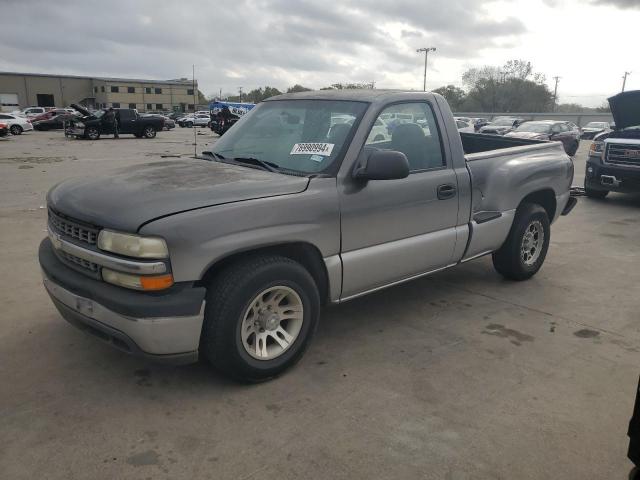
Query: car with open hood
pixel 93 124
pixel 565 132
pixel 613 164
pixel 232 255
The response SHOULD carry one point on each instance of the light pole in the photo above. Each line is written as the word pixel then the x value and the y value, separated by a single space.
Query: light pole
pixel 624 80
pixel 426 56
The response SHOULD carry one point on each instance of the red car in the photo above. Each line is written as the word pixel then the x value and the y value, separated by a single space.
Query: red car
pixel 4 129
pixel 50 114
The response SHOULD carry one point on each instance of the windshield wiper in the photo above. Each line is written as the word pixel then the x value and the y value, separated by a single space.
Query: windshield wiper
pixel 269 166
pixel 214 155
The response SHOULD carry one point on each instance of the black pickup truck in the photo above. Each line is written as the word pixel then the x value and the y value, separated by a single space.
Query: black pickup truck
pixel 614 157
pixel 92 125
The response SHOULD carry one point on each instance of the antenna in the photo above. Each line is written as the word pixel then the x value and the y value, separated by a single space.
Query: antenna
pixel 195 135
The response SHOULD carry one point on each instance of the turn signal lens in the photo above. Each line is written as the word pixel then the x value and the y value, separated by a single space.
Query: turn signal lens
pixel 138 282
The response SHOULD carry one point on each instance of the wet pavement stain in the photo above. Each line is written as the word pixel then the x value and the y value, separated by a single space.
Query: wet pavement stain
pixel 150 457
pixel 516 337
pixel 586 333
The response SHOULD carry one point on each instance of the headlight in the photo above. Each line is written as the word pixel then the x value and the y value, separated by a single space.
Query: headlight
pixel 79 125
pixel 137 282
pixel 132 245
pixel 596 148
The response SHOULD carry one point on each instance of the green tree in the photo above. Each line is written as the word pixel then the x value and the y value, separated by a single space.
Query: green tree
pixel 298 88
pixel 514 87
pixel 349 86
pixel 455 96
pixel 259 94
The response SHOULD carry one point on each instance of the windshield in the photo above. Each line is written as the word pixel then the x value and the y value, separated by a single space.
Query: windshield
pixel 595 125
pixel 503 122
pixel 306 136
pixel 99 113
pixel 534 127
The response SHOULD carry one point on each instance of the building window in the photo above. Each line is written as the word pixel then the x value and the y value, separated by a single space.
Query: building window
pixel 149 106
pixel 114 89
pixel 190 107
pixel 147 89
pixel 102 88
pixel 132 106
pixel 131 90
pixel 190 91
pixel 95 89
pixel 158 106
pixel 115 105
pixel 158 91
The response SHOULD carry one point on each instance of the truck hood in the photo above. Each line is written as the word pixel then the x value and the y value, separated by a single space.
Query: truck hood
pixel 132 196
pixel 625 108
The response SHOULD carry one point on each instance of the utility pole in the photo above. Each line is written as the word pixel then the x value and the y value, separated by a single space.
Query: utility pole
pixel 624 80
pixel 555 93
pixel 240 89
pixel 426 57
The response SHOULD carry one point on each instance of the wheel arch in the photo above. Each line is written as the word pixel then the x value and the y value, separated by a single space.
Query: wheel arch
pixel 546 198
pixel 304 253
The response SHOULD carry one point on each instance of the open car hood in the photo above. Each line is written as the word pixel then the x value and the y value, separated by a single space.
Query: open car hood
pixel 81 109
pixel 625 108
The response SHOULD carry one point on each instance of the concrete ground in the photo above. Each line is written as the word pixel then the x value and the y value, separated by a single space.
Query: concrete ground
pixel 461 375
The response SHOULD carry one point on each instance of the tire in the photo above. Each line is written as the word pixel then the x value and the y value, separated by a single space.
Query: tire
pixel 149 132
pixel 189 124
pixel 531 224
pixel 597 194
pixel 92 133
pixel 15 129
pixel 573 149
pixel 231 303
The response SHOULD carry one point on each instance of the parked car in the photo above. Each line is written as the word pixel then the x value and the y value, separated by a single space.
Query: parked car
pixel 16 124
pixel 30 111
pixel 465 125
pixel 184 119
pixel 4 129
pixel 198 120
pixel 56 122
pixel 231 257
pixel 613 164
pixel 592 129
pixel 52 113
pixel 501 125
pixel 379 132
pixel 92 125
pixel 175 115
pixel 566 132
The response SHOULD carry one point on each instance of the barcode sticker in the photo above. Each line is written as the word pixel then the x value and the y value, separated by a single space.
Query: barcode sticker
pixel 324 149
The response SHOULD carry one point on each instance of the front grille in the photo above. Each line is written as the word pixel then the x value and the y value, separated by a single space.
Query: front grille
pixel 73 229
pixel 81 262
pixel 623 154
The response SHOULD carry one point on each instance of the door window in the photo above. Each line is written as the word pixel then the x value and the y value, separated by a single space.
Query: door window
pixel 410 128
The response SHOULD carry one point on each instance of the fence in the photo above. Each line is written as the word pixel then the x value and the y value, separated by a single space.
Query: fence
pixel 580 119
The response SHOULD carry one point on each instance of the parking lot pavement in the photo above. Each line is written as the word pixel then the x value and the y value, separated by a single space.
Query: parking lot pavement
pixel 461 375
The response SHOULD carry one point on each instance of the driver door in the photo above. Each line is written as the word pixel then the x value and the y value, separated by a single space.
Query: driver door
pixel 393 230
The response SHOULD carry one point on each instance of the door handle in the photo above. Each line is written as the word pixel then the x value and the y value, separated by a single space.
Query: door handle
pixel 446 191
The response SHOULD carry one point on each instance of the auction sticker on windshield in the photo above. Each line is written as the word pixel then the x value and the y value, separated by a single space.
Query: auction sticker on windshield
pixel 312 149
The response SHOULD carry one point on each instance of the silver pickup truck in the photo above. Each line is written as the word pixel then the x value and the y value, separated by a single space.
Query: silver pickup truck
pixel 312 198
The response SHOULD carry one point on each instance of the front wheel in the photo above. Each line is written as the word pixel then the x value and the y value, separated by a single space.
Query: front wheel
pixel 92 133
pixel 15 129
pixel 524 251
pixel 189 124
pixel 591 193
pixel 260 317
pixel 149 132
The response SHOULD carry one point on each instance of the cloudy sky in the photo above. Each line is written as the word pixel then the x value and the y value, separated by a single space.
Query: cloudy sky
pixel 251 43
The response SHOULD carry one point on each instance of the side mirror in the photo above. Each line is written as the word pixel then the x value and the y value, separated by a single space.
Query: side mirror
pixel 382 165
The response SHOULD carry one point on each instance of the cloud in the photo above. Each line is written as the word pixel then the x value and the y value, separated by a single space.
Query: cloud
pixel 618 3
pixel 245 42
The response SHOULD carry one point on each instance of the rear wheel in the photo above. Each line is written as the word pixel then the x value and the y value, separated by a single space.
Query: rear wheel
pixel 524 251
pixel 260 317
pixel 189 124
pixel 15 129
pixel 149 132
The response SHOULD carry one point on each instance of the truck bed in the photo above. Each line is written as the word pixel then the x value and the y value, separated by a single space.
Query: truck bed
pixel 479 142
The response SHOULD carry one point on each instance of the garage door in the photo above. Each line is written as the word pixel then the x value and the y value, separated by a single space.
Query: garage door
pixel 9 102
